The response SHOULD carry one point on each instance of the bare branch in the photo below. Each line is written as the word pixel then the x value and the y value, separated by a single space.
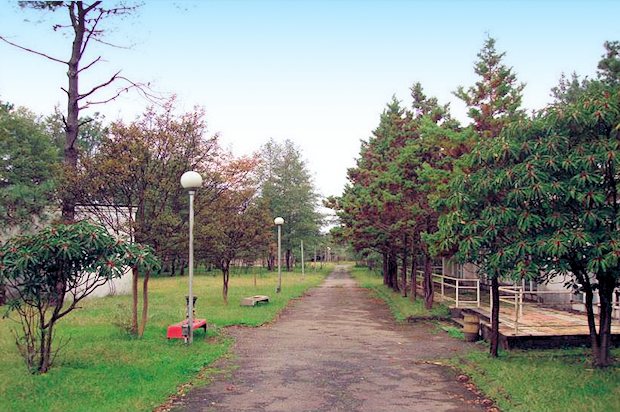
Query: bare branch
pixel 47 56
pixel 93 103
pixel 91 64
pixel 100 86
pixel 92 30
pixel 143 89
pixel 92 6
pixel 112 44
pixel 88 120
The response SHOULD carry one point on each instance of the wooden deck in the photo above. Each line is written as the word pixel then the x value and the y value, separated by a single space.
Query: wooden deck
pixel 538 326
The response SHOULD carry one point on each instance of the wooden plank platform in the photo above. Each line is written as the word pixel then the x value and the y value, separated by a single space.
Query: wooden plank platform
pixel 539 327
pixel 254 300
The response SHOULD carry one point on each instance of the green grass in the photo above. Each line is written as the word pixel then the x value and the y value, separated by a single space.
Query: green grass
pixel 102 368
pixel 402 307
pixel 544 380
pixel 454 331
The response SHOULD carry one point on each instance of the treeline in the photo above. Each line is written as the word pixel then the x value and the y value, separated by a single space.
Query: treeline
pixel 127 177
pixel 521 196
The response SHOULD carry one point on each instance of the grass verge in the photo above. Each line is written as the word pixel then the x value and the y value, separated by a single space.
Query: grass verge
pixel 544 380
pixel 102 368
pixel 403 308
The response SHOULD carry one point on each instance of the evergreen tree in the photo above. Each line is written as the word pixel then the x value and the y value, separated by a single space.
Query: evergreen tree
pixel 609 66
pixel 494 102
pixel 289 192
pixel 28 163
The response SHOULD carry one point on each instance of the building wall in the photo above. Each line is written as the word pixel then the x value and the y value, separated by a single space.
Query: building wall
pixel 115 219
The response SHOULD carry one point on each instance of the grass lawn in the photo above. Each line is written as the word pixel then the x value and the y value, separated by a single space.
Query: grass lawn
pixel 401 307
pixel 101 368
pixel 544 380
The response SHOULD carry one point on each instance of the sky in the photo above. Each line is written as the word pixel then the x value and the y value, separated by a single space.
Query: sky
pixel 316 72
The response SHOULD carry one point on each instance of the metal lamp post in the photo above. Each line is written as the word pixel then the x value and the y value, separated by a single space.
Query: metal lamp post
pixel 279 222
pixel 191 181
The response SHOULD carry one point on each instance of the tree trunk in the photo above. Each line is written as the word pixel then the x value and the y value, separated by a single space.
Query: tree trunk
pixel 42 343
pixel 586 285
pixel 2 294
pixel 393 271
pixel 73 110
pixel 428 282
pixel 134 307
pixel 495 317
pixel 225 267
pixel 288 260
pixel 606 287
pixel 145 303
pixel 270 261
pixel 46 347
pixel 404 269
pixel 414 275
pixel 385 268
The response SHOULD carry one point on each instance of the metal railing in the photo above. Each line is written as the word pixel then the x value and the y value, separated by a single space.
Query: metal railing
pixel 460 287
pixel 512 295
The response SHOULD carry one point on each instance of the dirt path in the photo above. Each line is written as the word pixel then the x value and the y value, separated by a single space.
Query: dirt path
pixel 337 349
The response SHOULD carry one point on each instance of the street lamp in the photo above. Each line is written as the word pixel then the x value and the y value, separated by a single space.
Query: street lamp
pixel 191 181
pixel 279 222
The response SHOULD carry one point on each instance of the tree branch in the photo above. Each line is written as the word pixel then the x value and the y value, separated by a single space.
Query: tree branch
pixel 92 30
pixel 4 39
pixel 100 86
pixel 92 6
pixel 116 46
pixel 91 64
pixel 143 89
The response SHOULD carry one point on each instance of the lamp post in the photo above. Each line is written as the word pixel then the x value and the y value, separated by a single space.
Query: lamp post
pixel 279 222
pixel 191 181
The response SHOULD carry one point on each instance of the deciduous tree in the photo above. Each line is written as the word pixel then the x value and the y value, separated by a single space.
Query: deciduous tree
pixel 238 223
pixel 131 183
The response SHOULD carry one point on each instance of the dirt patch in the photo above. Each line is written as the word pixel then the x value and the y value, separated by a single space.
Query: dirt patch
pixel 337 349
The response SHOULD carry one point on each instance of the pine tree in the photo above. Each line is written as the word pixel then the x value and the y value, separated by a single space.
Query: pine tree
pixel 494 102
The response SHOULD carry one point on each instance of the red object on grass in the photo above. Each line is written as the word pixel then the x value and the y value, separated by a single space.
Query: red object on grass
pixel 176 331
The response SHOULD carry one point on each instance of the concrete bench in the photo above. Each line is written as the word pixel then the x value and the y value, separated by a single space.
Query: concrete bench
pixel 176 331
pixel 254 300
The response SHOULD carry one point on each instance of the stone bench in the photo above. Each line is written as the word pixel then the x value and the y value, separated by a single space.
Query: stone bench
pixel 254 300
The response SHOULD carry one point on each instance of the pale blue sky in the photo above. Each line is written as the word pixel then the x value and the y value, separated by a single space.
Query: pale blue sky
pixel 316 72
